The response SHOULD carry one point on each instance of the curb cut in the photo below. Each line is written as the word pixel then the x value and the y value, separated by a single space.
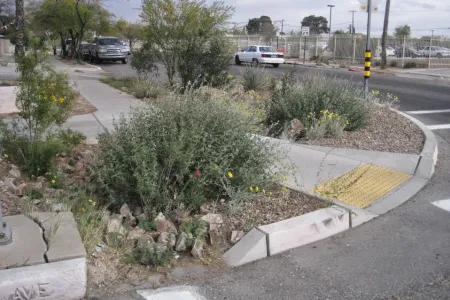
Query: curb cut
pixel 275 238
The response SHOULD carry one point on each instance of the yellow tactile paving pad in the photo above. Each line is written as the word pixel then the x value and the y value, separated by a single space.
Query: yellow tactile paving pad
pixel 362 185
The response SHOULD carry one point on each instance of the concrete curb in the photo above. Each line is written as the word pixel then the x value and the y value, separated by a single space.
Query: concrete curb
pixel 278 237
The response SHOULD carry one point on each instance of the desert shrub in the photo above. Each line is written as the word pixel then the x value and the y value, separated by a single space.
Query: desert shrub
pixel 146 90
pixel 44 99
pixel 316 93
pixel 326 124
pixel 181 150
pixel 254 78
pixel 147 225
pixel 196 228
pixel 70 138
pixel 149 256
pixel 410 65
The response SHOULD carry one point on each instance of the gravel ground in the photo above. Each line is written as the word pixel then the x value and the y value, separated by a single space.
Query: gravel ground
pixel 387 131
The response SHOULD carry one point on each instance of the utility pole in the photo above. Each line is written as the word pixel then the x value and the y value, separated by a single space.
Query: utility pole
pixel 353 22
pixel 329 29
pixel 384 36
pixel 20 28
pixel 282 27
pixel 429 52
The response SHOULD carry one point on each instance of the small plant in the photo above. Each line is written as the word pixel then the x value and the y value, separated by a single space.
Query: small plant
pixel 393 63
pixel 55 179
pixel 147 90
pixel 70 138
pixel 147 225
pixel 327 124
pixel 377 63
pixel 197 228
pixel 34 194
pixel 254 78
pixel 149 256
pixel 410 65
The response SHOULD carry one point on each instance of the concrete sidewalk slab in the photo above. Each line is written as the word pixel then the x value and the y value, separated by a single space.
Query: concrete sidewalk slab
pixel 7 100
pixel 28 246
pixel 171 293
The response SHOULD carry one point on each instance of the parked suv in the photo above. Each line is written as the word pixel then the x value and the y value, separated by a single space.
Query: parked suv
pixel 435 51
pixel 108 48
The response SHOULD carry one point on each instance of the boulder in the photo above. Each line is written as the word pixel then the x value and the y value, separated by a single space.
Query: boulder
pixel 130 221
pixel 125 210
pixel 212 218
pixel 163 238
pixel 293 129
pixel 172 240
pixel 14 172
pixel 236 236
pixel 163 225
pixel 115 225
pixel 145 240
pixel 197 249
pixel 181 242
pixel 136 233
pixel 160 216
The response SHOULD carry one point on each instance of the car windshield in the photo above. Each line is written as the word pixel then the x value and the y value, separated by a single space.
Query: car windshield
pixel 109 41
pixel 267 49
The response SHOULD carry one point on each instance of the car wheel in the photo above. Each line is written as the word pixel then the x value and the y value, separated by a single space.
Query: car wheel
pixel 275 65
pixel 125 60
pixel 255 62
pixel 237 61
pixel 91 58
pixel 97 59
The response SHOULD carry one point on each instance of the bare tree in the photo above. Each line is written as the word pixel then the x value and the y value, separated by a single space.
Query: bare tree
pixel 385 33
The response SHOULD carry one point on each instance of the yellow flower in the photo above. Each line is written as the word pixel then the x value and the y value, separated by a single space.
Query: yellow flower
pixel 90 201
pixel 257 188
pixel 270 193
pixel 53 98
pixel 82 209
pixel 251 189
pixel 230 175
pixel 53 181
pixel 285 178
pixel 264 191
pixel 229 76
pixel 347 122
pixel 61 100
pixel 5 155
pixel 285 189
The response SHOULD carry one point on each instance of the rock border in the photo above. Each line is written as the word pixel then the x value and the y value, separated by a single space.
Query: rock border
pixel 275 238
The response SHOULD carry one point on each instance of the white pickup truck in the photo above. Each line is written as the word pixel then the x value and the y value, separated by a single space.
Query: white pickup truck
pixel 436 51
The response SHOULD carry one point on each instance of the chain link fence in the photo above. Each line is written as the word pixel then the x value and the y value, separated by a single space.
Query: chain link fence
pixel 349 50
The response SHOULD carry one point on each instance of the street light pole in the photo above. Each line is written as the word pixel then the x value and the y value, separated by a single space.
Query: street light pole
pixel 329 29
pixel 368 54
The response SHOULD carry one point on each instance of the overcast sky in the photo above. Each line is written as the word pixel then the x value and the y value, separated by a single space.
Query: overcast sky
pixel 422 16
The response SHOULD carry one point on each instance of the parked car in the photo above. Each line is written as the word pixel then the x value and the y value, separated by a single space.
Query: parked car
pixel 435 51
pixel 85 50
pixel 108 48
pixel 409 52
pixel 257 54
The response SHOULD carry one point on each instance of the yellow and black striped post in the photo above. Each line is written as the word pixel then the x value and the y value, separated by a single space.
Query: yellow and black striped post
pixel 367 58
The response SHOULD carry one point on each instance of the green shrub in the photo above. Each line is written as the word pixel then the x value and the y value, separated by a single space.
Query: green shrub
pixel 44 99
pixel 70 138
pixel 34 194
pixel 254 78
pixel 327 124
pixel 410 65
pixel 314 94
pixel 180 151
pixel 196 228
pixel 393 63
pixel 146 90
pixel 149 256
pixel 147 225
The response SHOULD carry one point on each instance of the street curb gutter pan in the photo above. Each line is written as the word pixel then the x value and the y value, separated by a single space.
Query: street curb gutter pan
pixel 282 236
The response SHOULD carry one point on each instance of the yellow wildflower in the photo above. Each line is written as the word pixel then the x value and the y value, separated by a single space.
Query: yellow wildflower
pixel 251 189
pixel 257 188
pixel 270 193
pixel 53 181
pixel 285 189
pixel 53 98
pixel 5 155
pixel 230 175
pixel 90 201
pixel 264 191
pixel 61 100
pixel 82 209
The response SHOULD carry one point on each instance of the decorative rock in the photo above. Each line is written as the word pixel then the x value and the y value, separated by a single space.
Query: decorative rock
pixel 114 239
pixel 172 240
pixel 164 238
pixel 130 221
pixel 141 218
pixel 20 188
pixel 204 209
pixel 14 172
pixel 163 225
pixel 145 240
pixel 181 242
pixel 214 236
pixel 115 225
pixel 125 210
pixel 9 183
pixel 213 219
pixel 236 236
pixel 160 216
pixel 197 249
pixel 136 233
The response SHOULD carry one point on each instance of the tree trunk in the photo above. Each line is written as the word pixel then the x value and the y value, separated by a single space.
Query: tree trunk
pixel 20 28
pixel 384 37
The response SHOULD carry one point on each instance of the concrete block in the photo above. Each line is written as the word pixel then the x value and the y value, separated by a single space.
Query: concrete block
pixel 62 235
pixel 398 196
pixel 251 247
pixel 54 281
pixel 305 229
pixel 28 246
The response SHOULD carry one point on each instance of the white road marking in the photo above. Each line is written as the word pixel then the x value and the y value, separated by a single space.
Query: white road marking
pixel 442 126
pixel 422 112
pixel 442 204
